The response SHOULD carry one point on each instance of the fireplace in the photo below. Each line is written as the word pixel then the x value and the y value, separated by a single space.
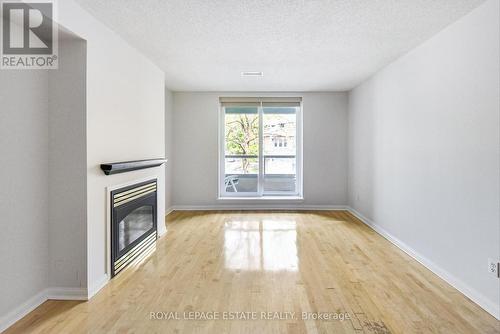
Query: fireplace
pixel 133 224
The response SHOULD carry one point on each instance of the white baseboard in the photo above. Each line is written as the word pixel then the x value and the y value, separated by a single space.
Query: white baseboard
pixel 57 293
pixel 162 233
pixel 19 312
pixel 469 292
pixel 53 293
pixel 241 207
pixel 97 286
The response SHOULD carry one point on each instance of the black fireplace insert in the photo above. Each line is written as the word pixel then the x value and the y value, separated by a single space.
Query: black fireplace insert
pixel 133 224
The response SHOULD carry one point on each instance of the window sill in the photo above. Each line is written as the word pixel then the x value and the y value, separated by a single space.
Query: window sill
pixel 263 198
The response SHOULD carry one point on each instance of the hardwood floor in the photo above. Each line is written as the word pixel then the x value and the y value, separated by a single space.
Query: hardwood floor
pixel 321 263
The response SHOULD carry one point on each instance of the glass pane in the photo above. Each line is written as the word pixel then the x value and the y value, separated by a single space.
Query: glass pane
pixel 279 166
pixel 279 174
pixel 279 133
pixel 280 129
pixel 241 149
pixel 134 225
pixel 242 134
pixel 240 166
pixel 241 174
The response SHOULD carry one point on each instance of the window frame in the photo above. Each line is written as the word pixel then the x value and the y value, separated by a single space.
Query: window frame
pixel 260 194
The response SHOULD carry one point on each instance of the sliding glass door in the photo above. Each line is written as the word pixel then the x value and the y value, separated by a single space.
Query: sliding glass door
pixel 260 141
pixel 241 148
pixel 279 148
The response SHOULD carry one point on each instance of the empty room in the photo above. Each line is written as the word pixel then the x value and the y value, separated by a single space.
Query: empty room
pixel 250 166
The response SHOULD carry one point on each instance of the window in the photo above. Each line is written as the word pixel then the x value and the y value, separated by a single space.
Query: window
pixel 260 151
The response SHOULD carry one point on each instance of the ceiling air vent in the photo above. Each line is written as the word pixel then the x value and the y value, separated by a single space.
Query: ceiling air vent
pixel 252 74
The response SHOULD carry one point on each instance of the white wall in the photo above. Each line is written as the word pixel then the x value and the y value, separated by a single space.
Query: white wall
pixel 68 166
pixel 109 109
pixel 169 137
pixel 125 121
pixel 424 151
pixel 196 149
pixel 43 196
pixel 24 175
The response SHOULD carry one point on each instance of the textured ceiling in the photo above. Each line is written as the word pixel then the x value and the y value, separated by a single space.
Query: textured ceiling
pixel 308 45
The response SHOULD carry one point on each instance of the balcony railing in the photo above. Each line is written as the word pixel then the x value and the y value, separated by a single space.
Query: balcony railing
pixel 256 156
pixel 279 178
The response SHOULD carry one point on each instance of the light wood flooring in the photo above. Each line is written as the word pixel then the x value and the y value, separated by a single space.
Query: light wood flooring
pixel 320 263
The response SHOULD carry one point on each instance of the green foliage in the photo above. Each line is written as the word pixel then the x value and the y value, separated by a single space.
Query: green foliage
pixel 242 136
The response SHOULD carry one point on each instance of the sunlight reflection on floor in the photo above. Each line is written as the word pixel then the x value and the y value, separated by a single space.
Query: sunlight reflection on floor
pixel 267 244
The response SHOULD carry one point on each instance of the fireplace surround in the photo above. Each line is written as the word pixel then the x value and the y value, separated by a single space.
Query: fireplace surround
pixel 133 224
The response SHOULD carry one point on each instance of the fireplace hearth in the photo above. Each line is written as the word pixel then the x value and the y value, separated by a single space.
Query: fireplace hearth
pixel 133 224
